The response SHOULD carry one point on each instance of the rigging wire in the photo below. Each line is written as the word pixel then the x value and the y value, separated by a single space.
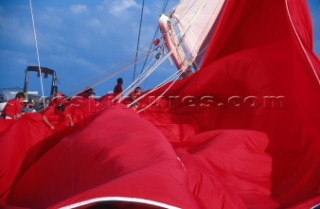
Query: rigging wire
pixel 159 62
pixel 191 58
pixel 165 4
pixel 144 76
pixel 174 76
pixel 38 56
pixel 180 71
pixel 99 74
pixel 165 91
pixel 195 49
pixel 139 80
pixel 153 66
pixel 149 52
pixel 116 72
pixel 137 50
pixel 135 66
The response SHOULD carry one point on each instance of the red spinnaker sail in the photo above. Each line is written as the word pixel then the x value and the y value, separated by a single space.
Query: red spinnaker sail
pixel 242 132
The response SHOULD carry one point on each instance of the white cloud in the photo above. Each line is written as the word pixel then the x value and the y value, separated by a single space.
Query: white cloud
pixel 19 30
pixel 94 23
pixel 22 61
pixel 50 15
pixel 118 7
pixel 83 41
pixel 78 9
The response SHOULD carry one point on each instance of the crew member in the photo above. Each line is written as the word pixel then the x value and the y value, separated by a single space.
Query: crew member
pixel 133 96
pixel 57 99
pixel 12 110
pixel 118 88
pixel 55 116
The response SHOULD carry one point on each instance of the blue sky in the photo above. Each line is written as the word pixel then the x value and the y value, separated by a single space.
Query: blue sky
pixel 80 39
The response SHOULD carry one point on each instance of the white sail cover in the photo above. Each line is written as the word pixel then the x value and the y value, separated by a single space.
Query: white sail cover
pixel 195 19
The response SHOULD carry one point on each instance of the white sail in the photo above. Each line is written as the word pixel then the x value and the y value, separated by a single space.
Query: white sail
pixel 195 20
